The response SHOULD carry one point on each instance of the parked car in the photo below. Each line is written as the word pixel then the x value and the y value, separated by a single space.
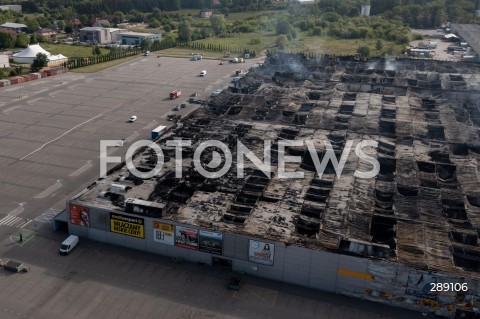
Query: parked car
pixel 132 119
pixel 216 92
pixel 234 283
pixel 203 73
pixel 14 266
pixel 68 244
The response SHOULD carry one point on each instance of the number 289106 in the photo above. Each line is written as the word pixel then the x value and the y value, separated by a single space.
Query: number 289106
pixel 448 286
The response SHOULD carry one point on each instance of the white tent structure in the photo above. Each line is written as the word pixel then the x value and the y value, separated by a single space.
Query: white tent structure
pixel 27 56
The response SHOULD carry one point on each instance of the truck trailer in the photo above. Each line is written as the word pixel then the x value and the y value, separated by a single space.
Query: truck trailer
pixel 159 131
pixel 175 94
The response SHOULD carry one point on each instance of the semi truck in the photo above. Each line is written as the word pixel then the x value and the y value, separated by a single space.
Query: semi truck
pixel 175 94
pixel 158 131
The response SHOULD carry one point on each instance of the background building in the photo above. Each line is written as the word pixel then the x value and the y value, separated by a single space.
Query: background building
pixel 17 27
pixel 205 14
pixel 14 7
pixel 98 35
pixel 136 38
pixel 365 11
pixel 4 61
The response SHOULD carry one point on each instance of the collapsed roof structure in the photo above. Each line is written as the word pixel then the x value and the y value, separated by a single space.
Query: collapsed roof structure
pixel 422 209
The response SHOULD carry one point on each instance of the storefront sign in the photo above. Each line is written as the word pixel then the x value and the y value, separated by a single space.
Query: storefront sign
pixel 261 252
pixel 127 225
pixel 186 237
pixel 211 242
pixel 79 215
pixel 163 233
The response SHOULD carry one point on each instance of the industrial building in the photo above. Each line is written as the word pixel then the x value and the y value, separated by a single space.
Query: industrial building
pixel 471 34
pixel 99 35
pixel 13 7
pixel 390 238
pixel 136 38
pixel 102 35
pixel 17 27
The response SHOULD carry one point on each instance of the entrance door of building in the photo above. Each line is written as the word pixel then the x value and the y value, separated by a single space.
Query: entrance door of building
pixel 222 263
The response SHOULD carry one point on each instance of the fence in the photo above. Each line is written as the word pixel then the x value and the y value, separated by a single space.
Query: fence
pixel 74 63
pixel 32 76
pixel 215 47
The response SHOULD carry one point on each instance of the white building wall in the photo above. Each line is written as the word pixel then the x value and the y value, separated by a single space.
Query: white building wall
pixel 365 10
pixel 4 62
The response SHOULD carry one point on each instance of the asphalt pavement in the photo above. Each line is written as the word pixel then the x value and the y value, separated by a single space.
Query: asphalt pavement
pixel 50 131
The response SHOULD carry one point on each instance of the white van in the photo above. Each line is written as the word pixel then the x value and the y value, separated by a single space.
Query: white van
pixel 68 244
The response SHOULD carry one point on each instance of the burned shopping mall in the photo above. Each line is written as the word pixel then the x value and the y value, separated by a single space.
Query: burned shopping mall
pixel 386 238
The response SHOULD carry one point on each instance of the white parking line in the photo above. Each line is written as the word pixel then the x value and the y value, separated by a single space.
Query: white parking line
pixel 81 169
pixel 12 108
pixel 15 221
pixel 49 190
pixel 62 135
pixel 131 137
pixel 17 211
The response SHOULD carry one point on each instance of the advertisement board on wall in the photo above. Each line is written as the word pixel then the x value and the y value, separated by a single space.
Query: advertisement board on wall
pixel 127 225
pixel 186 237
pixel 261 252
pixel 163 233
pixel 210 242
pixel 79 215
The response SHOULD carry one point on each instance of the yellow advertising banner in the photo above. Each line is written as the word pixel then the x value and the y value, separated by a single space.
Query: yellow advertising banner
pixel 164 227
pixel 127 225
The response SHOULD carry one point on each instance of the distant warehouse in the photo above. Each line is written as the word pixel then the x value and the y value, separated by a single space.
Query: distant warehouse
pixel 102 35
pixel 136 38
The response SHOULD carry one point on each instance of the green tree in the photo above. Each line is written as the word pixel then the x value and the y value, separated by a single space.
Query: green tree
pixel 32 25
pixel 96 50
pixel 184 31
pixel 217 22
pixel 379 45
pixel 146 44
pixel 39 62
pixel 282 42
pixel 364 51
pixel 154 23
pixel 118 17
pixel 7 40
pixel 283 27
pixel 22 40
pixel 33 39
pixel 68 28
pixel 61 24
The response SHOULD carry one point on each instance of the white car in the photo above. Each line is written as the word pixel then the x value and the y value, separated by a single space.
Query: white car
pixel 216 92
pixel 203 73
pixel 133 118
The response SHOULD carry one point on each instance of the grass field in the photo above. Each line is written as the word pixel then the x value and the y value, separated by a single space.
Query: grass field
pixel 188 52
pixel 102 66
pixel 70 50
pixel 239 16
pixel 329 45
pixel 244 40
pixel 304 43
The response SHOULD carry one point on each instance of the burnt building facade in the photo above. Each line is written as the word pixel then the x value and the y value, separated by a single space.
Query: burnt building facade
pixel 388 238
